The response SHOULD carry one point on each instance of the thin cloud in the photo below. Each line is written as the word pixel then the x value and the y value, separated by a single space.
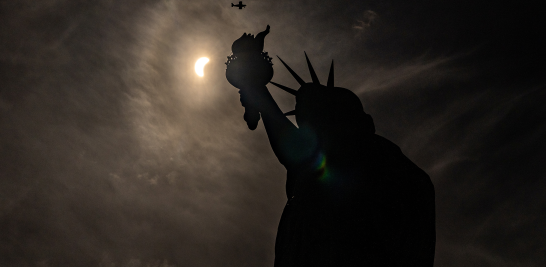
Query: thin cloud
pixel 366 21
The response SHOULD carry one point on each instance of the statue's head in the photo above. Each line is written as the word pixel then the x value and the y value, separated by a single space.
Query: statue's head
pixel 327 108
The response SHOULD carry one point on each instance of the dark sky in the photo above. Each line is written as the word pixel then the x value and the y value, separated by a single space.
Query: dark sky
pixel 113 152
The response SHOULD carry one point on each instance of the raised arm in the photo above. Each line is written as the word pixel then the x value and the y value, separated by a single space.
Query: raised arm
pixel 285 138
pixel 250 69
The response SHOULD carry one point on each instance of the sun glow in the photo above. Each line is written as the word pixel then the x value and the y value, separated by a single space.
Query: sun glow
pixel 200 65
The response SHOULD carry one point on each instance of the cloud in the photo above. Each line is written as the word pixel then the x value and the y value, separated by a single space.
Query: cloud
pixel 407 74
pixel 366 21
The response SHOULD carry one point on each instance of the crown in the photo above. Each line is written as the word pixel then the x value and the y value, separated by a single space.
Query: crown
pixel 327 104
pixel 314 78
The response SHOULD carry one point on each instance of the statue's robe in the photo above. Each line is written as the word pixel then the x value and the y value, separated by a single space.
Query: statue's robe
pixel 363 204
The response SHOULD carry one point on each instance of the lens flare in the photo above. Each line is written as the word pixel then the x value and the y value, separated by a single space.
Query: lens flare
pixel 200 65
pixel 320 165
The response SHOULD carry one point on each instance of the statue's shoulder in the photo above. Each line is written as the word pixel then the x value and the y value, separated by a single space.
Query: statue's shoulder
pixel 400 163
pixel 386 144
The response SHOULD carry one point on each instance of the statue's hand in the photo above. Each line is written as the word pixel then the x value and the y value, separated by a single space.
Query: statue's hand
pixel 243 99
pixel 253 101
pixel 257 98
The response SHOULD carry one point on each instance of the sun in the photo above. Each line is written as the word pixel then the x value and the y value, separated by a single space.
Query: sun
pixel 199 65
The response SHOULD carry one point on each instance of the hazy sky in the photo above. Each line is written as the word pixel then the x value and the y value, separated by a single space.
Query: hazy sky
pixel 113 152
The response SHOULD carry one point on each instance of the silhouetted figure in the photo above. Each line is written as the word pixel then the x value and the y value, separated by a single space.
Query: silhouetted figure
pixel 353 198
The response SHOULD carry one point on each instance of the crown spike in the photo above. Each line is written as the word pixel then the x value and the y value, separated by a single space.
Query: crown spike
pixel 290 113
pixel 311 70
pixel 289 90
pixel 331 75
pixel 300 81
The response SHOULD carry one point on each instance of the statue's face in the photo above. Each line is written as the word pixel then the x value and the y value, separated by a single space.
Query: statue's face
pixel 314 108
pixel 327 110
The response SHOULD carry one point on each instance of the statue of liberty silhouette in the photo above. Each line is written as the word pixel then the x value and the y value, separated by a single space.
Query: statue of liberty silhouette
pixel 353 197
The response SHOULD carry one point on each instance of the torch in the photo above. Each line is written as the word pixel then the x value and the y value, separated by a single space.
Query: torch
pixel 249 68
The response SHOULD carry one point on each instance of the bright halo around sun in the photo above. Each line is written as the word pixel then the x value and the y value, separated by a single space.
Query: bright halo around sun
pixel 200 65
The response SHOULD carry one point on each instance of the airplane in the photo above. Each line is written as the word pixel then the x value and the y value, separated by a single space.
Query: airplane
pixel 240 5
